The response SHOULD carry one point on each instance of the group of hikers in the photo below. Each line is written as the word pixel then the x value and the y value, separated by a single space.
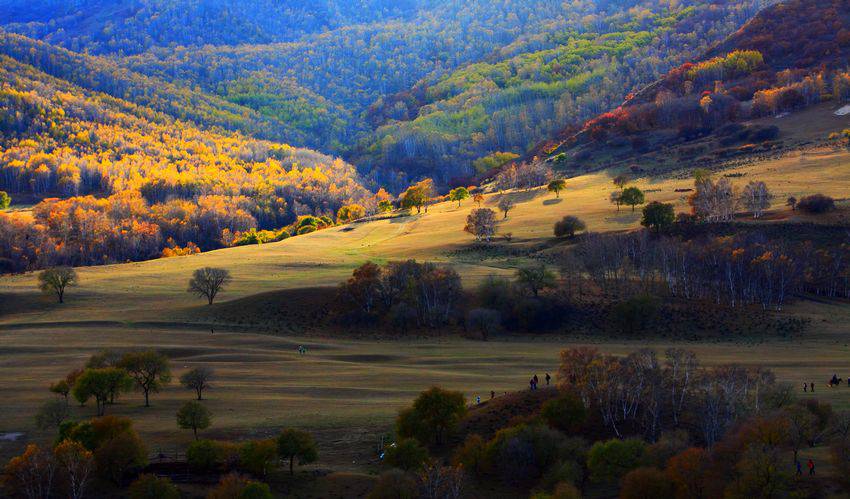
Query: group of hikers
pixel 535 381
pixel 810 465
pixel 532 383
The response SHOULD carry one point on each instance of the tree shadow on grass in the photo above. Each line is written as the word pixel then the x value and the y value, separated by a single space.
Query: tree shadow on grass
pixel 625 218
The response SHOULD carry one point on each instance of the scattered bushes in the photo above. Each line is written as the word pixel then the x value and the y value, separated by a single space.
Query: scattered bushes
pixel 406 454
pixel 234 486
pixel 203 456
pixel 610 460
pixel 635 314
pixel 565 413
pixel 568 226
pixel 257 456
pixel 523 453
pixel 816 204
pixel 484 321
pixel 395 484
pixel 152 487
pixel 433 417
pixel 406 293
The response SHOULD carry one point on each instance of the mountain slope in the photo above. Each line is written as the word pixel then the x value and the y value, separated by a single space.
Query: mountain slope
pixel 721 106
pixel 531 89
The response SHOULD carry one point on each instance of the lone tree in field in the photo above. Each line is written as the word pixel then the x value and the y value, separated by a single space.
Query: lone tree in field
pixel 478 198
pixel 536 278
pixel 506 205
pixel 296 443
pixel 149 369
pixel 5 200
pixel 458 194
pixel 56 280
pixel 617 199
pixel 568 226
pixel 434 416
pixel 208 282
pixel 557 186
pixel 792 203
pixel 621 181
pixel 481 223
pixel 193 416
pixel 658 216
pixel 197 379
pixel 632 196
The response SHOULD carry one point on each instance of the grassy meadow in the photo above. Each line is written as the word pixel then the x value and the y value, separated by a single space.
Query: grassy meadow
pixel 348 390
pixel 156 290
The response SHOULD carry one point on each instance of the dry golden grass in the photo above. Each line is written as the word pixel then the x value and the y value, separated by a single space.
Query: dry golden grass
pixel 347 391
pixel 155 290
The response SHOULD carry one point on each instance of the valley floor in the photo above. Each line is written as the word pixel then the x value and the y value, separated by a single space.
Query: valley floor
pixel 348 391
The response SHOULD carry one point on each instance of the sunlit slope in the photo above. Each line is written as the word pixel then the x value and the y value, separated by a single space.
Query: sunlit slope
pixel 156 290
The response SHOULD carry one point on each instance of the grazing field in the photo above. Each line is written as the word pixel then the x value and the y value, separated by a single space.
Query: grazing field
pixel 347 392
pixel 156 290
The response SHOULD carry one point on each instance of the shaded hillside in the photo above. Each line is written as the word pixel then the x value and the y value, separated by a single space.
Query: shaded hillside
pixel 133 26
pixel 697 109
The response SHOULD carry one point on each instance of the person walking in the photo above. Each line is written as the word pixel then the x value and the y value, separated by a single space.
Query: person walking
pixel 811 467
pixel 492 394
pixel 805 387
pixel 799 467
pixel 548 379
pixel 812 386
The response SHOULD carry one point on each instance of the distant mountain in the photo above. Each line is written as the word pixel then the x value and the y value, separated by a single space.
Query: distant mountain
pixel 790 56
pixel 404 89
pixel 529 90
pixel 134 26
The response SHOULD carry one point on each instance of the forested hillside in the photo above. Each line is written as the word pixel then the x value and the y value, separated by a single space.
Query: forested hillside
pixel 133 26
pixel 123 182
pixel 531 89
pixel 694 112
pixel 402 89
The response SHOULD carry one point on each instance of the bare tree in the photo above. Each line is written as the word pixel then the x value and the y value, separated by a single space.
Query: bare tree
pixel 757 198
pixel 441 482
pixel 506 204
pixel 76 463
pixel 208 282
pixel 481 223
pixel 56 280
pixel 714 201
